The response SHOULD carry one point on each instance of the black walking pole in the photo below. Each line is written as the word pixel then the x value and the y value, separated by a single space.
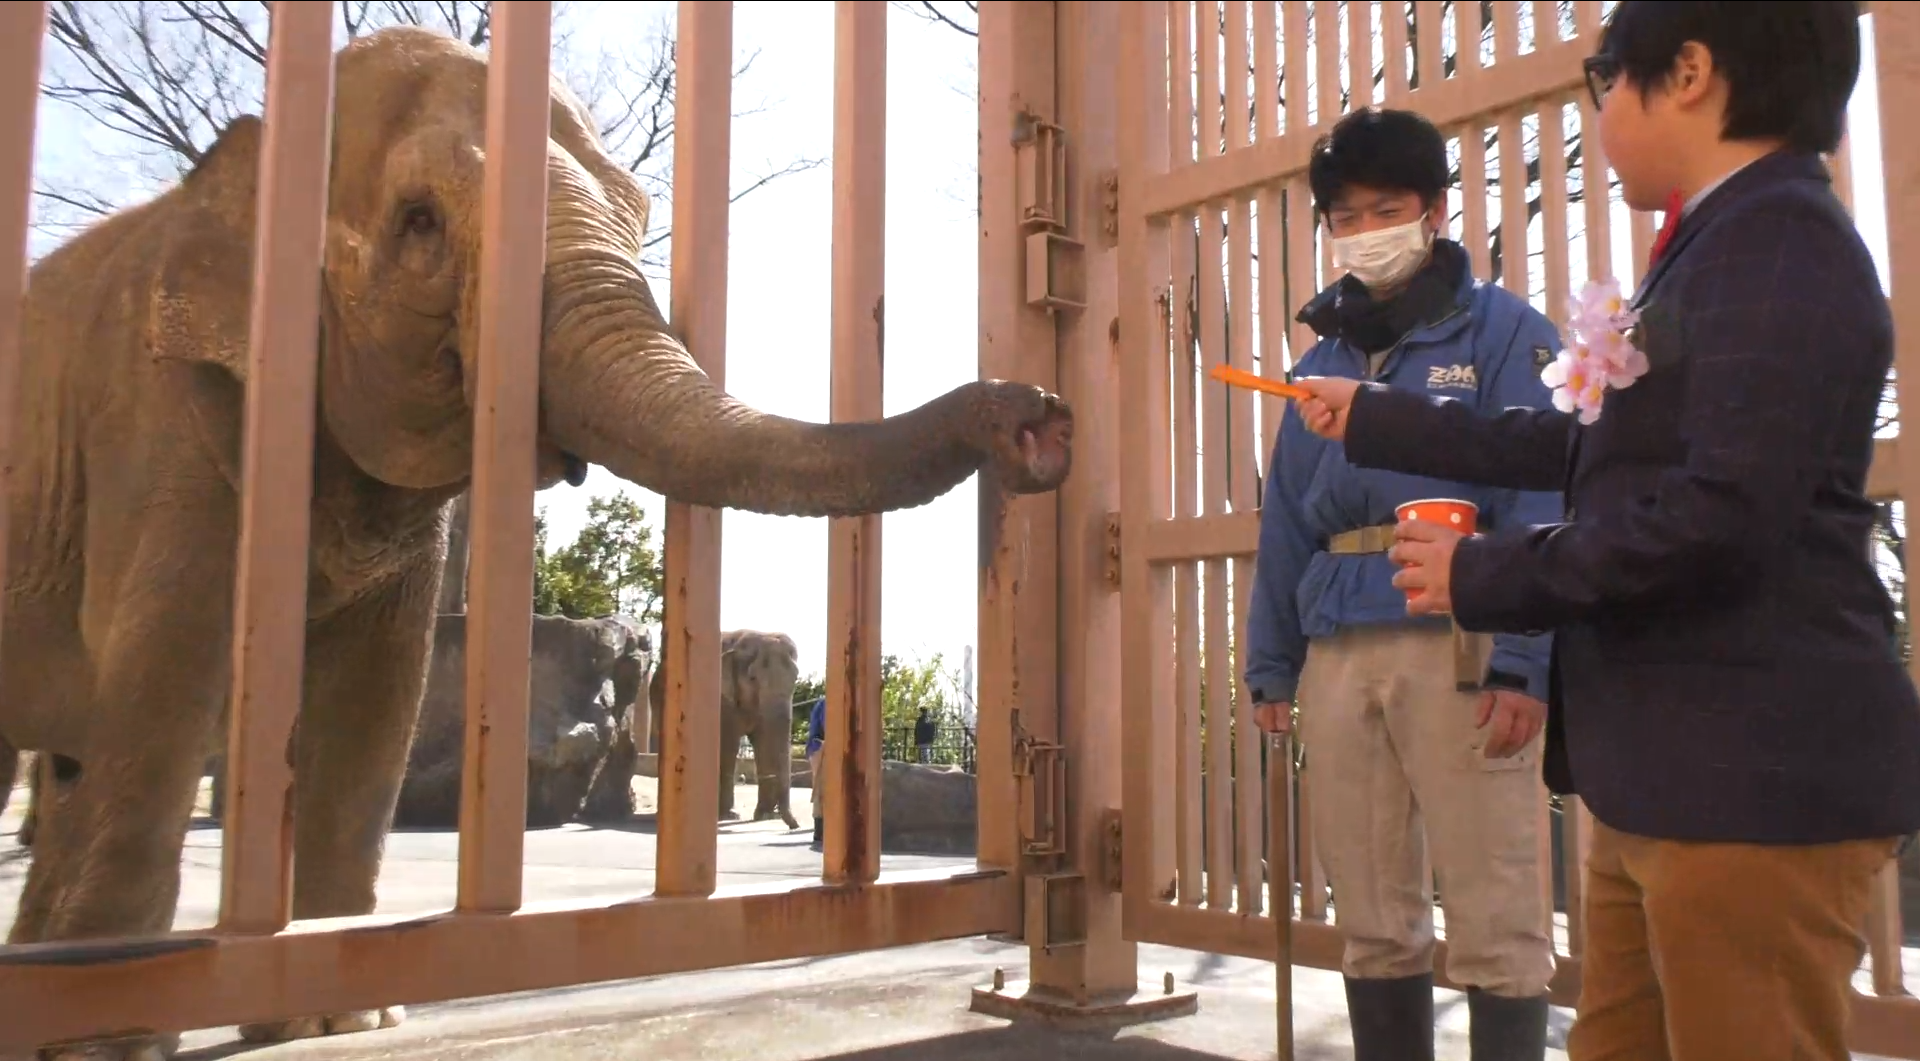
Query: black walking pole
pixel 1280 882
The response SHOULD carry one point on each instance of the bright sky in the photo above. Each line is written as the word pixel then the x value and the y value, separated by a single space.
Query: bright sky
pixel 774 573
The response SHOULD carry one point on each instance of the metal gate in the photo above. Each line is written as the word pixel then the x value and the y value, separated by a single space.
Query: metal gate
pixel 1218 248
pixel 261 965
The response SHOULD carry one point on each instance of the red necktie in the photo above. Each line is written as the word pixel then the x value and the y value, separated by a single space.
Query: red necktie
pixel 1674 206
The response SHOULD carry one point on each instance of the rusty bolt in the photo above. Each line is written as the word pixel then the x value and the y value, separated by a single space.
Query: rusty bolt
pixel 1166 983
pixel 999 979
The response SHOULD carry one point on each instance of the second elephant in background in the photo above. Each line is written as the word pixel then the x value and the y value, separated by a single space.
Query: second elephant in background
pixel 758 671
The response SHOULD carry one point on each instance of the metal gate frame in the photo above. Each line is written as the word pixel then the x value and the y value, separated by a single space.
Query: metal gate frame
pixel 1188 226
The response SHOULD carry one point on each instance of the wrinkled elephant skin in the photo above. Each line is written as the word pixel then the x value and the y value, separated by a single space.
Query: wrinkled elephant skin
pixel 757 674
pixel 115 642
pixel 575 714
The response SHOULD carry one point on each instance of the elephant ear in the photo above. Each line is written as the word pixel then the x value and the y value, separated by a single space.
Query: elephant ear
pixel 202 290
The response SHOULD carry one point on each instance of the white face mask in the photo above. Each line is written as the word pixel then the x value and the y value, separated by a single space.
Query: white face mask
pixel 1384 257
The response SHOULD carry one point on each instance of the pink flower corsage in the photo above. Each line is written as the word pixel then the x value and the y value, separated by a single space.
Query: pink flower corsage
pixel 1598 353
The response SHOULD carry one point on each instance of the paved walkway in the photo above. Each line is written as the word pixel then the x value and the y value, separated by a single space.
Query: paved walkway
pixel 907 1004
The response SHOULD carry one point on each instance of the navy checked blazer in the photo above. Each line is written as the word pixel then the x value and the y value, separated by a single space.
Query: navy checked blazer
pixel 1725 665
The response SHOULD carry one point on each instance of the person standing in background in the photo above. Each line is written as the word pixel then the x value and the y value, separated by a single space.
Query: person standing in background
pixel 816 740
pixel 924 732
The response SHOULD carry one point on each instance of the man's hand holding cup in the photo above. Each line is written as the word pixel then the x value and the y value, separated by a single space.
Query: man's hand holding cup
pixel 1424 542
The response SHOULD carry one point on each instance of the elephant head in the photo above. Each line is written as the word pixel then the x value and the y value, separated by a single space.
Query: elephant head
pixel 617 389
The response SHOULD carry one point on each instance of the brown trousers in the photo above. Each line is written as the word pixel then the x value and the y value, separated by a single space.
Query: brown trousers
pixel 1720 952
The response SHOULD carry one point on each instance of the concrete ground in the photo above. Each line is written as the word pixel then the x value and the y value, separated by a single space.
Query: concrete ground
pixel 912 1002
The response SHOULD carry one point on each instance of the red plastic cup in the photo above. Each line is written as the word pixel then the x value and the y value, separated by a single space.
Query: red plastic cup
pixel 1462 516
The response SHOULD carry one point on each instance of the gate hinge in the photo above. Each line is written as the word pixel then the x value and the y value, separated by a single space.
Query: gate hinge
pixel 1111 555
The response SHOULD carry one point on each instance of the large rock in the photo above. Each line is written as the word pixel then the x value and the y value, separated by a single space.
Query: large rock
pixel 587 675
pixel 929 810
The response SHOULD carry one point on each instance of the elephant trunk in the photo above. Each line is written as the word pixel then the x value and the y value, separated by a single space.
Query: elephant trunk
pixel 619 390
pixel 773 767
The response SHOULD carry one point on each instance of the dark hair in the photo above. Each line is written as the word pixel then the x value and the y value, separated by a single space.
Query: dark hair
pixel 1390 150
pixel 1790 66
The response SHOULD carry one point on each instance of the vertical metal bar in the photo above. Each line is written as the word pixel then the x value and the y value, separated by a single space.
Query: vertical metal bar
pixel 1018 607
pixel 1279 751
pixel 690 718
pixel 1514 258
pixel 1087 36
pixel 852 759
pixel 1146 612
pixel 1183 245
pixel 22 29
pixel 1241 441
pixel 270 593
pixel 513 213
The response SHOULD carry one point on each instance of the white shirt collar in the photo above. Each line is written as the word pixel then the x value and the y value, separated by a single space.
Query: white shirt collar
pixel 1701 195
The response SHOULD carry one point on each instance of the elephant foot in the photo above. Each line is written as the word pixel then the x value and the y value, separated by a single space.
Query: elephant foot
pixel 787 817
pixel 729 815
pixel 150 1048
pixel 365 1020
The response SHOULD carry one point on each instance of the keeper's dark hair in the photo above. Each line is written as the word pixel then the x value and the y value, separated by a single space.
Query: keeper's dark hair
pixel 1790 65
pixel 1388 150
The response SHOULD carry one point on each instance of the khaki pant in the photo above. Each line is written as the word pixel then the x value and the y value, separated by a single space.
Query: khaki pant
pixel 815 785
pixel 1698 952
pixel 1396 772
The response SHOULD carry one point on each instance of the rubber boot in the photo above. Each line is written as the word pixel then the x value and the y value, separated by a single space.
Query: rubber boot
pixel 1506 1029
pixel 819 833
pixel 1392 1019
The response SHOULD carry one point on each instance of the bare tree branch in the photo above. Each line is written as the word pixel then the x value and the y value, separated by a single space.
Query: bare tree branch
pixel 963 16
pixel 166 76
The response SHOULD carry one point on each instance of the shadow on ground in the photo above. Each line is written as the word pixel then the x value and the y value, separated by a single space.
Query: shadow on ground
pixel 1025 1041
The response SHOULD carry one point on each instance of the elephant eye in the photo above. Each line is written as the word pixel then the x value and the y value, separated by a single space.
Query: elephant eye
pixel 418 219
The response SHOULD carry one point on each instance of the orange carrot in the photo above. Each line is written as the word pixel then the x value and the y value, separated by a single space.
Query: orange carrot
pixel 1233 377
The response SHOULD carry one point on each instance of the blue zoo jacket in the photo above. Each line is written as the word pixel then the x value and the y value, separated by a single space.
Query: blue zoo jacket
pixel 1489 352
pixel 816 725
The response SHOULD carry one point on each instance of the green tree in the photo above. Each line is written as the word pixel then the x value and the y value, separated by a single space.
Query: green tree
pixel 809 688
pixel 906 688
pixel 613 567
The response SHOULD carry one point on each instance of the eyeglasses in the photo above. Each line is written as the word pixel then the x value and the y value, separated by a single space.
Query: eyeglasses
pixel 1601 72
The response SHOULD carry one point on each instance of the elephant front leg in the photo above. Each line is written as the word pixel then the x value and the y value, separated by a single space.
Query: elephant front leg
pixel 111 825
pixel 730 733
pixel 366 669
pixel 773 770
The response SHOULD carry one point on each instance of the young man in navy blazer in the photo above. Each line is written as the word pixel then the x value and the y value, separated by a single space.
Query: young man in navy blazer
pixel 1425 744
pixel 1728 696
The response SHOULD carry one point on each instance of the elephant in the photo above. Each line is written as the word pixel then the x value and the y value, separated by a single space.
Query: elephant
pixel 757 675
pixel 125 477
pixel 586 675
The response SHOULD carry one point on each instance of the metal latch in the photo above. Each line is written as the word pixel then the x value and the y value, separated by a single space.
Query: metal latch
pixel 1055 262
pixel 1040 773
